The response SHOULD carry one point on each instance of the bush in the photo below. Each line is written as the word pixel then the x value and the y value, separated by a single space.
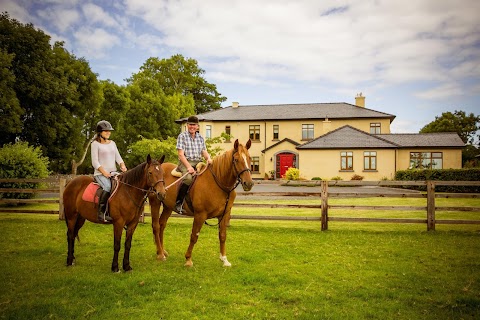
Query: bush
pixel 138 151
pixel 21 161
pixel 357 177
pixel 441 175
pixel 337 178
pixel 316 178
pixel 292 174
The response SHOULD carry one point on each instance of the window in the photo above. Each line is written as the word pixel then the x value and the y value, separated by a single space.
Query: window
pixel 375 128
pixel 208 131
pixel 426 160
pixel 254 132
pixel 228 132
pixel 307 131
pixel 346 160
pixel 370 160
pixel 275 132
pixel 255 165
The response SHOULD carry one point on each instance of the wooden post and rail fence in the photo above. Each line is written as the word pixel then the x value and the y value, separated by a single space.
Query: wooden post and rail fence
pixel 57 185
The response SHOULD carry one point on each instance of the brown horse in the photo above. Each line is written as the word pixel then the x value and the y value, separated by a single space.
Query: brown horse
pixel 125 208
pixel 211 196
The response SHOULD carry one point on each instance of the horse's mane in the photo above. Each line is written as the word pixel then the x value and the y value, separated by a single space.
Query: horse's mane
pixel 134 176
pixel 222 164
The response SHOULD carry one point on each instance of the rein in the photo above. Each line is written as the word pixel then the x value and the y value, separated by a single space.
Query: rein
pixel 147 192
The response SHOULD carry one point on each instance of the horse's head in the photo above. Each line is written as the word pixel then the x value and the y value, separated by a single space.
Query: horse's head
pixel 241 164
pixel 155 177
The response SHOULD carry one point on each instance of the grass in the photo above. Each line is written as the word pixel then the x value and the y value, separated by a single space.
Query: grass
pixel 281 270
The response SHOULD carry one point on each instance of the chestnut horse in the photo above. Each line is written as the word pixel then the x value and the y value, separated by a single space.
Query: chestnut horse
pixel 211 196
pixel 125 207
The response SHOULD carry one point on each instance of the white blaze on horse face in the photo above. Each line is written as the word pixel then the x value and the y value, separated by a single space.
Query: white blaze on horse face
pixel 245 159
pixel 156 168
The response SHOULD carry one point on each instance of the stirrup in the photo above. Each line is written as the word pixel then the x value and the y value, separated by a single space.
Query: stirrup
pixel 179 208
pixel 104 218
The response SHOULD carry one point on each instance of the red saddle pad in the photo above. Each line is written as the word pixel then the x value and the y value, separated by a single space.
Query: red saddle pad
pixel 89 193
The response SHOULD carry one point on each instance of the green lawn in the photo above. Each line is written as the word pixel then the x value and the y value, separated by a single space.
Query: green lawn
pixel 281 270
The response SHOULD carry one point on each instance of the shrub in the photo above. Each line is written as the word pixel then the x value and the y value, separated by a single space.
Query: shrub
pixel 357 177
pixel 138 151
pixel 441 175
pixel 19 161
pixel 292 174
pixel 337 178
pixel 316 178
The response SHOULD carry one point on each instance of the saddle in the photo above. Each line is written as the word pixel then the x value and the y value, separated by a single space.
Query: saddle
pixel 198 168
pixel 93 191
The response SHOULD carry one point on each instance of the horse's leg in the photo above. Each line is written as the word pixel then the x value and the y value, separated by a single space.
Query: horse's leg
pixel 166 213
pixel 155 212
pixel 74 223
pixel 128 245
pixel 117 238
pixel 222 236
pixel 70 241
pixel 198 221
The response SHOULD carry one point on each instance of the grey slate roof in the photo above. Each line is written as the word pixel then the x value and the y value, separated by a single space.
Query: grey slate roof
pixel 280 142
pixel 340 110
pixel 347 137
pixel 440 139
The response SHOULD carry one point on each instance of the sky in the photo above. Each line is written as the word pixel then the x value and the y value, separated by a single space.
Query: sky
pixel 414 59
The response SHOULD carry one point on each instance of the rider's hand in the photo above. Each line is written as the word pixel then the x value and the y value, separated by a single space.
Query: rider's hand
pixel 191 170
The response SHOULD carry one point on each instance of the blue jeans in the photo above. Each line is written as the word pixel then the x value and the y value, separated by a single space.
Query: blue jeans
pixel 104 182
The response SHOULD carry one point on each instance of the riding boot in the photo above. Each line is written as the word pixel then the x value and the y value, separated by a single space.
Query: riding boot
pixel 182 192
pixel 102 207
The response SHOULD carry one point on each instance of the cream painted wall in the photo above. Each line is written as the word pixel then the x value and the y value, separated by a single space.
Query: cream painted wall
pixel 326 164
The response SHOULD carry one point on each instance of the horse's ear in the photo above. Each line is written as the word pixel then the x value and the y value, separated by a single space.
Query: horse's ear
pixel 235 146
pixel 249 144
pixel 149 159
pixel 162 159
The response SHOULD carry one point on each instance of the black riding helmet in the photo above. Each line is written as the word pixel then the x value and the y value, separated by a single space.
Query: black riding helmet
pixel 104 126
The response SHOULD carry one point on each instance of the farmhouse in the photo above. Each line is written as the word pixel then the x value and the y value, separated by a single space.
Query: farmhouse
pixel 328 140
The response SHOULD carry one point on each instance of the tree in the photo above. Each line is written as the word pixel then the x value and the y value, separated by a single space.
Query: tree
pixel 151 113
pixel 465 125
pixel 10 111
pixel 58 94
pixel 178 75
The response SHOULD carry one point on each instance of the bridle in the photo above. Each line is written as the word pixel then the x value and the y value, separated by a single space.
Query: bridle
pixel 238 180
pixel 151 189
pixel 228 191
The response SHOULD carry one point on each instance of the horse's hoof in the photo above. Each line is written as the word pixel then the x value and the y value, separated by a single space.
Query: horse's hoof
pixel 189 263
pixel 165 253
pixel 225 261
pixel 161 258
pixel 127 269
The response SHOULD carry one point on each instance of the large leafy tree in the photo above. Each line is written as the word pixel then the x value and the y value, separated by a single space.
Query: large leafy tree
pixel 10 111
pixel 152 113
pixel 178 75
pixel 465 125
pixel 56 92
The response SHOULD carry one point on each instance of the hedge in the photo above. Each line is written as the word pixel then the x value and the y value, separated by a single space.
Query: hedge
pixel 442 175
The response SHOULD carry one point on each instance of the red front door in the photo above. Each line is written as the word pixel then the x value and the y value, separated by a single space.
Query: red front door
pixel 286 161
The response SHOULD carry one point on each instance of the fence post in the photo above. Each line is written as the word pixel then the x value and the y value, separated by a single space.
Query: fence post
pixel 61 213
pixel 324 197
pixel 430 206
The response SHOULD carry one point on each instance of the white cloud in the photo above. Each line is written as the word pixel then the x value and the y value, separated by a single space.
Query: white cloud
pixel 441 92
pixel 61 19
pixel 94 43
pixel 366 41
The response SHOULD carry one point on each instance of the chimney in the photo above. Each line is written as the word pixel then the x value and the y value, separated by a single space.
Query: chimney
pixel 360 100
pixel 234 104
